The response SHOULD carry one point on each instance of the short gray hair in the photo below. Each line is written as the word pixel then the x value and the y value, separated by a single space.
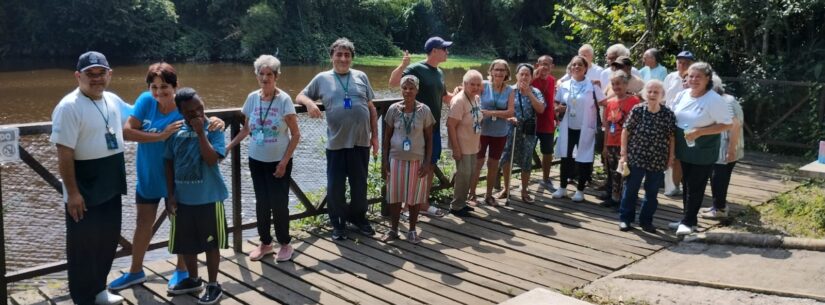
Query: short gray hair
pixel 705 69
pixel 409 79
pixel 267 61
pixel 618 49
pixel 342 42
pixel 470 75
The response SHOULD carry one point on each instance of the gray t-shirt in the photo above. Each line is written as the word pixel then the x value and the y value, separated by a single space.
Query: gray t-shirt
pixel 269 135
pixel 421 118
pixel 346 128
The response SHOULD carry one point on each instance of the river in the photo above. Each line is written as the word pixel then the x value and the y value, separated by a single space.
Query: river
pixel 34 223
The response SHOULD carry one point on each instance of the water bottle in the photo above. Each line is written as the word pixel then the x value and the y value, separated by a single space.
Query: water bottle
pixel 687 131
pixel 821 157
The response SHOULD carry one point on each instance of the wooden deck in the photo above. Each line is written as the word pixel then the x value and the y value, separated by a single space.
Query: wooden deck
pixel 497 255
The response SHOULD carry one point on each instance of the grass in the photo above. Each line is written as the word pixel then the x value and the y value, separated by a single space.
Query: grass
pixel 453 61
pixel 799 212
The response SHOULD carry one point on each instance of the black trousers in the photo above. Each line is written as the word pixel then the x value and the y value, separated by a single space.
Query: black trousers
pixel 271 200
pixel 348 164
pixel 570 168
pixel 719 182
pixel 695 179
pixel 90 249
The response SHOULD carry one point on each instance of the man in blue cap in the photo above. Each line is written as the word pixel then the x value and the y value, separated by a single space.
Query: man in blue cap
pixel 432 92
pixel 673 85
pixel 87 130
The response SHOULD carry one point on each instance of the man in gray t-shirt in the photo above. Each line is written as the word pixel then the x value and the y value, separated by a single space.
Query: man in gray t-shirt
pixel 351 129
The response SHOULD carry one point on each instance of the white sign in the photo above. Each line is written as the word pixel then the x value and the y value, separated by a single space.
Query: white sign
pixel 9 141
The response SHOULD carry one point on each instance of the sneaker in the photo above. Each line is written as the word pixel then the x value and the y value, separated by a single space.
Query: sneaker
pixel 683 230
pixel 468 208
pixel 674 225
pixel 412 237
pixel 649 228
pixel 674 192
pixel 212 294
pixel 126 280
pixel 339 234
pixel 560 193
pixel 548 184
pixel 177 277
pixel 714 214
pixel 107 298
pixel 187 285
pixel 285 253
pixel 461 213
pixel 609 203
pixel 578 196
pixel 623 226
pixel 260 252
pixel 366 229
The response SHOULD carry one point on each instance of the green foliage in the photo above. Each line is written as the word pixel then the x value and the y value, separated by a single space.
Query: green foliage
pixel 804 208
pixel 454 61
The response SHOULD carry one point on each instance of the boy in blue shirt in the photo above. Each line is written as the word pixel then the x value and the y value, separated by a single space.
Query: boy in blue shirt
pixel 196 192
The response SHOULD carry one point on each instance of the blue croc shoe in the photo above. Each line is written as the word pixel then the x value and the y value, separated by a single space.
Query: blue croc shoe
pixel 177 277
pixel 126 280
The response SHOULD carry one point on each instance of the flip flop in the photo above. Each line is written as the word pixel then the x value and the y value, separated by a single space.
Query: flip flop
pixel 502 195
pixel 491 201
pixel 526 198
pixel 434 212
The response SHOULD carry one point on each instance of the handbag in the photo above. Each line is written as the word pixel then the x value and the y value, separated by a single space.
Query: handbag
pixel 599 145
pixel 528 126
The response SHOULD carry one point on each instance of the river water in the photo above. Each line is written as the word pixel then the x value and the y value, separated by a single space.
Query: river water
pixel 34 221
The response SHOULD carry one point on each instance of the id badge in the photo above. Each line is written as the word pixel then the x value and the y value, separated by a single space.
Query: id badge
pixel 259 137
pixel 494 119
pixel 111 141
pixel 612 127
pixel 347 103
pixel 407 144
pixel 572 113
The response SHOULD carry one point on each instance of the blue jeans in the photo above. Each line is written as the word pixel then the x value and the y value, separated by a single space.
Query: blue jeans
pixel 632 183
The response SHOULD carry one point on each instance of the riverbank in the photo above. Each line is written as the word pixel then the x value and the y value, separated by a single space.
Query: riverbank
pixel 453 61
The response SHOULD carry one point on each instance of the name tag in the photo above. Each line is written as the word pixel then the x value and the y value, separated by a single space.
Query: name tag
pixel 347 103
pixel 259 137
pixel 111 141
pixel 406 145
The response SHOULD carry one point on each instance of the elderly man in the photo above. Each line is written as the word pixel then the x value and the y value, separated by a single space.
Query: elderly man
pixel 351 129
pixel 432 92
pixel 614 52
pixel 87 130
pixel 652 69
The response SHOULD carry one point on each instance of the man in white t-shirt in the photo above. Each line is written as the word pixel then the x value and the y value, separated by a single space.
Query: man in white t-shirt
pixel 673 81
pixel 88 133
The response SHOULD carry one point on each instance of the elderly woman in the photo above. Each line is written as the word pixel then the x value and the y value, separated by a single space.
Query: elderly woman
pixel 521 137
pixel 496 107
pixel 701 115
pixel 647 149
pixel 154 118
pixel 731 149
pixel 270 119
pixel 407 147
pixel 616 112
pixel 463 130
pixel 652 69
pixel 577 129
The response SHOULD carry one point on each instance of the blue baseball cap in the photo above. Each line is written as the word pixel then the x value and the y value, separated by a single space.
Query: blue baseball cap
pixel 436 42
pixel 92 59
pixel 686 55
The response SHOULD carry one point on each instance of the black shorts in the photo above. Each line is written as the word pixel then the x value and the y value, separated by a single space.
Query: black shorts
pixel 545 143
pixel 143 200
pixel 198 228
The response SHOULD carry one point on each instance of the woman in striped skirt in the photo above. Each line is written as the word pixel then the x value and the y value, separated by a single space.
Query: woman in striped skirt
pixel 407 150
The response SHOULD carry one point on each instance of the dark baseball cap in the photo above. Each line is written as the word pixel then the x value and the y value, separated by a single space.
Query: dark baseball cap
pixel 686 55
pixel 436 42
pixel 622 61
pixel 92 59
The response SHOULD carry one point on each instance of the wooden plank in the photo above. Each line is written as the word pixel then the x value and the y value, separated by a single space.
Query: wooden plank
pixel 137 294
pixel 259 278
pixel 56 296
pixel 307 275
pixel 157 279
pixel 28 297
pixel 395 281
pixel 425 266
pixel 329 270
pixel 434 285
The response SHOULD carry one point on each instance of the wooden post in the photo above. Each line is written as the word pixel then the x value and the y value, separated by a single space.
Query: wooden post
pixel 4 294
pixel 237 222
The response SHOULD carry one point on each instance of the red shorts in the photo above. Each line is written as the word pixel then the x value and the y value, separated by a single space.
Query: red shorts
pixel 496 145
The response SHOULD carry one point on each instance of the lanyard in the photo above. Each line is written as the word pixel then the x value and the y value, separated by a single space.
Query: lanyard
pixel 475 111
pixel 574 94
pixel 346 87
pixel 105 117
pixel 408 123
pixel 497 97
pixel 262 116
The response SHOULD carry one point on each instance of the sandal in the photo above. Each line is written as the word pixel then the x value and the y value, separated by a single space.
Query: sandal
pixel 489 200
pixel 412 237
pixel 389 236
pixel 434 212
pixel 526 197
pixel 502 195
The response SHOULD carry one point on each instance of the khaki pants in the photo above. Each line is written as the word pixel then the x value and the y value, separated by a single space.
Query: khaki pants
pixel 461 181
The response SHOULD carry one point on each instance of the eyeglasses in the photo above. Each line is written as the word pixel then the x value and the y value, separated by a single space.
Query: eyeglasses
pixel 499 70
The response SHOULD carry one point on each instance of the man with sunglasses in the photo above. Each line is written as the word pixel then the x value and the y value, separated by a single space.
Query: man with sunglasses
pixel 87 130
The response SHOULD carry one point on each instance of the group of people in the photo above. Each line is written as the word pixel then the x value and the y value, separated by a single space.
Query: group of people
pixel 648 125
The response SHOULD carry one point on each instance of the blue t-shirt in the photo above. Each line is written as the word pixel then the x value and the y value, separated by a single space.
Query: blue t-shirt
pixel 494 101
pixel 151 181
pixel 196 183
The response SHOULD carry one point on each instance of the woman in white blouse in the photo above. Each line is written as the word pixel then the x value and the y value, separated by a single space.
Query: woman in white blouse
pixel 577 129
pixel 701 115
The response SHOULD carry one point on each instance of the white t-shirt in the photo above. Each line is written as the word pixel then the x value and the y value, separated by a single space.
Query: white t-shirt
pixel 266 120
pixel 604 77
pixel 673 85
pixel 80 124
pixel 578 96
pixel 703 111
